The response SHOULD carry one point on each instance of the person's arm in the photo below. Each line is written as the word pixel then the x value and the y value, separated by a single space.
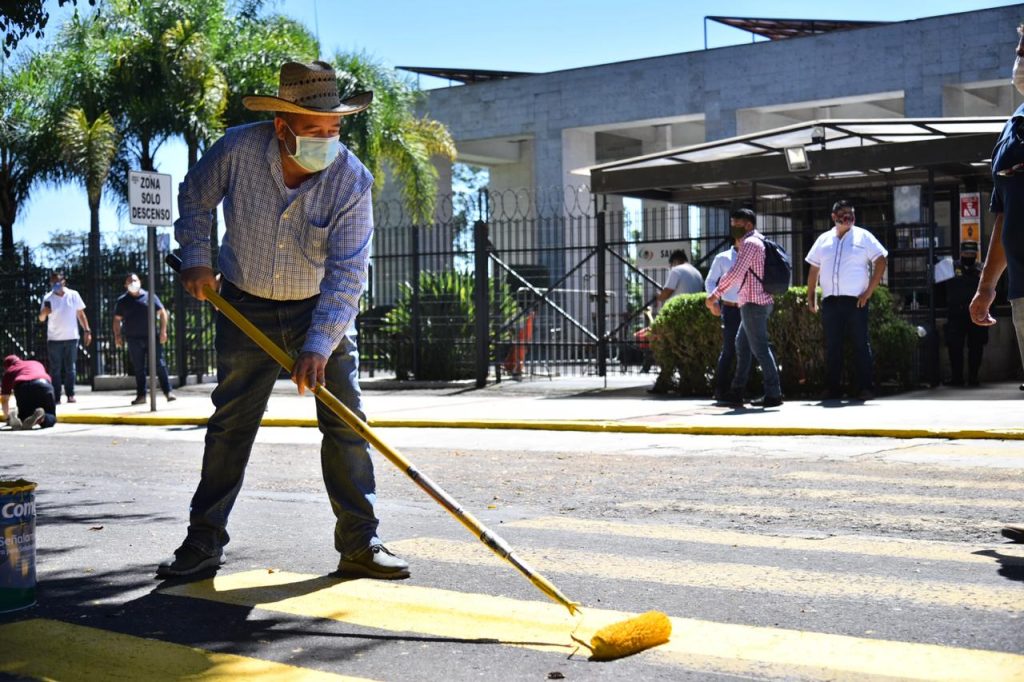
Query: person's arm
pixel 162 314
pixel 45 311
pixel 6 400
pixel 84 321
pixel 348 255
pixel 199 194
pixel 877 270
pixel 812 288
pixel 995 264
pixel 118 342
pixel 664 295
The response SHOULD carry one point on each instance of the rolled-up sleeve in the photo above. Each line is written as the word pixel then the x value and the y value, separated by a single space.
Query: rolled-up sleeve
pixel 345 267
pixel 199 194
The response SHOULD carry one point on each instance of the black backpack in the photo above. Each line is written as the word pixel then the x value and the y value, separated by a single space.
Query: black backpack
pixel 778 269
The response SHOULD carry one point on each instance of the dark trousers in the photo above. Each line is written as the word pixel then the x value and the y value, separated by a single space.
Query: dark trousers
pixel 35 394
pixel 960 332
pixel 138 350
pixel 246 376
pixel 61 355
pixel 730 323
pixel 843 320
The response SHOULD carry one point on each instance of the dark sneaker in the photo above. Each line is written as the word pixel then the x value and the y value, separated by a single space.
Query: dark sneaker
pixel 139 400
pixel 170 397
pixel 829 394
pixel 866 394
pixel 375 561
pixel 72 399
pixel 1014 531
pixel 13 421
pixel 767 401
pixel 730 399
pixel 188 560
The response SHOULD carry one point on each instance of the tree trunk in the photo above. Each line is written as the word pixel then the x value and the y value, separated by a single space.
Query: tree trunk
pixel 92 309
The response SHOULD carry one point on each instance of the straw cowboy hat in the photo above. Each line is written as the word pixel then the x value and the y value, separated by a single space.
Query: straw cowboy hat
pixel 308 89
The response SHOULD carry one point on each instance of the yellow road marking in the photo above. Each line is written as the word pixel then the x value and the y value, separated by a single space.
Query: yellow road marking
pixel 1014 485
pixel 795 582
pixel 753 492
pixel 52 650
pixel 919 550
pixel 695 644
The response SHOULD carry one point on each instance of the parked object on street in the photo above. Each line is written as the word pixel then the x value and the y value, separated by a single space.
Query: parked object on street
pixel 18 549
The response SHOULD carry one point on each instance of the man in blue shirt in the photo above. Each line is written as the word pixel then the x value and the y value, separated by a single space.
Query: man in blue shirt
pixel 293 261
pixel 1006 246
pixel 131 324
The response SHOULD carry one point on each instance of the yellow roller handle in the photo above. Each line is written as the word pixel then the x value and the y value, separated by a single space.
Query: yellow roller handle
pixel 352 420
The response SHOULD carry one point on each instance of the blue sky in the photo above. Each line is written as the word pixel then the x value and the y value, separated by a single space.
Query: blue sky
pixel 526 35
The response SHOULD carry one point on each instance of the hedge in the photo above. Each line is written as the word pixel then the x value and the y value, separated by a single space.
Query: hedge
pixel 687 337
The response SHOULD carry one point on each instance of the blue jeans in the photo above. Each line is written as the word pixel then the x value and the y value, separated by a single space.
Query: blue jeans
pixel 246 376
pixel 62 365
pixel 752 340
pixel 730 322
pixel 138 350
pixel 841 318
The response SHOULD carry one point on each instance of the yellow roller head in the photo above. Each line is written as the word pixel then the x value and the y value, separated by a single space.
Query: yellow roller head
pixel 628 637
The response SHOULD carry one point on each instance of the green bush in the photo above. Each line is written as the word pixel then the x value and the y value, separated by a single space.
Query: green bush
pixel 447 314
pixel 687 337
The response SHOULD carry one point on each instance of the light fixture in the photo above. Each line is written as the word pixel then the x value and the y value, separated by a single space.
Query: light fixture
pixel 818 135
pixel 796 159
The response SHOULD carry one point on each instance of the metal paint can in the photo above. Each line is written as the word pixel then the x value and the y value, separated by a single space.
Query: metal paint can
pixel 17 545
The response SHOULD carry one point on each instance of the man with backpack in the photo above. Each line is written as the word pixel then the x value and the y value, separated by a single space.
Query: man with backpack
pixel 756 306
pixel 849 261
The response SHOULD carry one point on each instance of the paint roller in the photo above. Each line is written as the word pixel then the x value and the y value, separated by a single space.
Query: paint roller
pixel 617 640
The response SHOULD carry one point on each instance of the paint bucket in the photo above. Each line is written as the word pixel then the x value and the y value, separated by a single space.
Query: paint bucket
pixel 17 545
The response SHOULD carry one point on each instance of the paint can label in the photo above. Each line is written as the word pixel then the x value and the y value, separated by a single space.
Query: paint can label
pixel 17 545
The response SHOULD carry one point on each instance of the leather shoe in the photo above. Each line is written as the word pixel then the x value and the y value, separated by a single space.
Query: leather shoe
pixel 188 560
pixel 1014 531
pixel 376 561
pixel 830 395
pixel 767 401
pixel 139 400
pixel 866 394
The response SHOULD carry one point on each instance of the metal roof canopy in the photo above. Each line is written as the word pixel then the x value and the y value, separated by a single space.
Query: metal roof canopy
pixel 842 152
pixel 466 76
pixel 781 29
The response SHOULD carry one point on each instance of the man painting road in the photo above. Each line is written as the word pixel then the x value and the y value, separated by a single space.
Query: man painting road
pixel 298 223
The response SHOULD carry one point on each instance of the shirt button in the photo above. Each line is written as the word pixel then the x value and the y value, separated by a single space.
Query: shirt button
pixel 277 276
pixel 280 246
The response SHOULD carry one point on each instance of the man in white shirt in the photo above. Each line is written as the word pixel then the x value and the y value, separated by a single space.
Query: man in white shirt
pixel 730 317
pixel 683 278
pixel 849 262
pixel 63 310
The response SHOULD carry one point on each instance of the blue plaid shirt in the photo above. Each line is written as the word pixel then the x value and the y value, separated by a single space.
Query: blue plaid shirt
pixel 319 242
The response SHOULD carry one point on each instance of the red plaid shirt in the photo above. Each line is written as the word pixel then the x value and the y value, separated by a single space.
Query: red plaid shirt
pixel 749 262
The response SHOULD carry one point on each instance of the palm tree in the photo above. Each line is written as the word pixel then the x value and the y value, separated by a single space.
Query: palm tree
pixel 89 150
pixel 390 134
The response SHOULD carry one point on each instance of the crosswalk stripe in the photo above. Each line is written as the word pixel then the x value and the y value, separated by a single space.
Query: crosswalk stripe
pixel 912 519
pixel 863 497
pixel 729 576
pixel 695 644
pixel 53 650
pixel 918 550
pixel 889 481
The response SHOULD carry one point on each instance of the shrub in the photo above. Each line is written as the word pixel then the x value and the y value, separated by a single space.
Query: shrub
pixel 447 332
pixel 688 338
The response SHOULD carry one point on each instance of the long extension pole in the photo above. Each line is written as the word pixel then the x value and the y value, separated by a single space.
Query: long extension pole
pixel 488 537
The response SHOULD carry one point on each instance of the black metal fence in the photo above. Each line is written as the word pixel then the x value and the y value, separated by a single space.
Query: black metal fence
pixel 564 278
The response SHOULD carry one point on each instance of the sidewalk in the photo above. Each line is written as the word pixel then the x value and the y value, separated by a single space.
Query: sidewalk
pixel 587 404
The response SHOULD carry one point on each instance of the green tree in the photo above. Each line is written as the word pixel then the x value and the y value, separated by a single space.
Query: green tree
pixel 89 148
pixel 390 134
pixel 23 17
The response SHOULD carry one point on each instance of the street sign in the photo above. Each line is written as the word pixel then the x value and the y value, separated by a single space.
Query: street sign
pixel 149 198
pixel 651 255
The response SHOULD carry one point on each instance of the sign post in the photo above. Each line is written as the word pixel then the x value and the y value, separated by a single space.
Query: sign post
pixel 149 203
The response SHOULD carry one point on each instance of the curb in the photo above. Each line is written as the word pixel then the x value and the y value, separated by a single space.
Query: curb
pixel 573 425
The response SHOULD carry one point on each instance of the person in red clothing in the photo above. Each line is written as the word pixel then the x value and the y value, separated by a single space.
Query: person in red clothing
pixel 28 381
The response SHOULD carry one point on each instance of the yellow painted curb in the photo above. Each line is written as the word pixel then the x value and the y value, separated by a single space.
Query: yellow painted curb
pixel 571 425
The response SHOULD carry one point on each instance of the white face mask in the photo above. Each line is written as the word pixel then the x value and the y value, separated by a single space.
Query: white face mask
pixel 134 287
pixel 315 153
pixel 1018 75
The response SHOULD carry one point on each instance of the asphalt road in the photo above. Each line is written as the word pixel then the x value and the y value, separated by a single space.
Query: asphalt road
pixel 792 558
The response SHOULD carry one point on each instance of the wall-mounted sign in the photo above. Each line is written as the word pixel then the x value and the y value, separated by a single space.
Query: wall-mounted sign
pixel 970 217
pixel 149 198
pixel 655 254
